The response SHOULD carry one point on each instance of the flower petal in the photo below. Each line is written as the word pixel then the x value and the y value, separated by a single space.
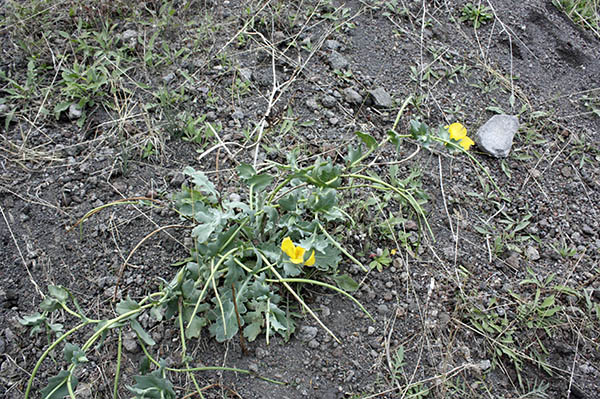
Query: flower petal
pixel 288 247
pixel 298 255
pixel 311 260
pixel 466 143
pixel 457 131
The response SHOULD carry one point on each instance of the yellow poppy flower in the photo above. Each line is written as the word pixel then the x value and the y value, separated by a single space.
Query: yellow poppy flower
pixel 296 253
pixel 466 143
pixel 459 133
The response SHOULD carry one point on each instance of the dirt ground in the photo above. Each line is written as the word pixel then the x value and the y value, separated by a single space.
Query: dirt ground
pixel 462 311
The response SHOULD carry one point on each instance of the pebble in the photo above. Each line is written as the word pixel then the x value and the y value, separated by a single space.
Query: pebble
pixel 3 109
pixel 383 309
pixel 130 343
pixel 307 333
pixel 328 101
pixel 485 365
pixel 381 98
pixel 337 61
pixel 334 121
pixel 371 330
pixel 245 74
pixel 253 367
pixel 352 96
pixel 496 136
pixel 587 229
pixel 411 225
pixel 74 111
pixel 261 353
pixel 532 253
pixel 325 311
pixel 332 44
pixel 312 103
pixel 168 78
pixel 129 34
pixel 313 344
pixel 237 115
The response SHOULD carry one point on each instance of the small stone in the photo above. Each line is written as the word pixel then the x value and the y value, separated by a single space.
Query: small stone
pixel 261 353
pixel 352 96
pixel 411 225
pixel 496 136
pixel 532 253
pixel 566 171
pixel 130 343
pixel 325 312
pixel 328 101
pixel 3 109
pixel 485 365
pixel 211 116
pixel 75 111
pixel 334 121
pixel 388 296
pixel 84 391
pixel 129 34
pixel 278 37
pixel 371 330
pixel 253 367
pixel 513 260
pixel 587 229
pixel 337 61
pixel 313 344
pixel 177 180
pixel 168 78
pixel 332 44
pixel 311 103
pixel 245 74
pixel 381 98
pixel 383 309
pixel 307 333
pixel 237 115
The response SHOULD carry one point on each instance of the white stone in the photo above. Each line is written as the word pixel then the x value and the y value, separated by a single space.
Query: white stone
pixel 496 136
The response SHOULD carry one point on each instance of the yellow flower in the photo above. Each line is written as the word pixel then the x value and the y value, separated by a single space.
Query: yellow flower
pixel 459 133
pixel 393 252
pixel 296 253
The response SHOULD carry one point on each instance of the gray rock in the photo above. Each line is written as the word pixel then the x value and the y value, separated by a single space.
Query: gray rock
pixel 587 229
pixel 381 98
pixel 311 103
pixel 3 109
pixel 237 115
pixel 383 309
pixel 75 111
pixel 253 367
pixel 337 61
pixel 485 365
pixel 84 390
pixel 371 330
pixel 496 136
pixel 328 101
pixel 532 253
pixel 168 78
pixel 332 44
pixel 307 333
pixel 245 74
pixel 352 96
pixel 129 34
pixel 313 344
pixel 130 343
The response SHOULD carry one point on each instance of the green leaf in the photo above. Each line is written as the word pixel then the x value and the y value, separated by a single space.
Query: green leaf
pixel 260 182
pixel 153 386
pixel 252 330
pixel 345 282
pixel 202 184
pixel 209 220
pixel 127 305
pixel 59 293
pixel 57 386
pixel 50 304
pixel 245 171
pixel 142 334
pixel 366 138
pixel 61 107
pixel 224 328
pixel 74 354
pixel 32 320
pixel 325 200
pixel 289 202
pixel 354 154
pixel 195 327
